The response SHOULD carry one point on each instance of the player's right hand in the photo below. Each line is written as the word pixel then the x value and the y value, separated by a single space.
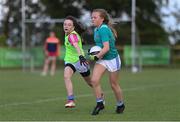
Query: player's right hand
pixel 83 60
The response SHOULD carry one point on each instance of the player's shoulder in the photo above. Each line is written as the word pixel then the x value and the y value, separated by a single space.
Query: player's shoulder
pixel 104 26
pixel 48 39
pixel 74 33
pixel 104 29
pixel 52 40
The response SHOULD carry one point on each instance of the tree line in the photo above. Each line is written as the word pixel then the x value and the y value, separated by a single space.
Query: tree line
pixel 148 19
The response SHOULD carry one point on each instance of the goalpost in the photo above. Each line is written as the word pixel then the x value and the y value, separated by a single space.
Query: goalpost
pixel 135 61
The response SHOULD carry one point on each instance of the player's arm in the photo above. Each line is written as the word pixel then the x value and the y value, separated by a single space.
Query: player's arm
pixel 45 48
pixel 104 34
pixel 78 48
pixel 73 39
pixel 58 47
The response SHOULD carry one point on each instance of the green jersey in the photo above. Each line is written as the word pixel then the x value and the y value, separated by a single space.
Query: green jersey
pixel 71 54
pixel 104 34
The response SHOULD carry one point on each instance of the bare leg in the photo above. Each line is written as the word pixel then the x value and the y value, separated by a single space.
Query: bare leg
pixel 98 71
pixel 68 72
pixel 97 74
pixel 46 66
pixel 53 66
pixel 88 80
pixel 113 78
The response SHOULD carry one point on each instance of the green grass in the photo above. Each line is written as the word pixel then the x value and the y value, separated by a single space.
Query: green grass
pixel 153 94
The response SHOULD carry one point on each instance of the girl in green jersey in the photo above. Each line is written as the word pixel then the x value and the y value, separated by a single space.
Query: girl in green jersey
pixel 107 59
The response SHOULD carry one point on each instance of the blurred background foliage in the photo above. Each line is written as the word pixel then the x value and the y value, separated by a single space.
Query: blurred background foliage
pixel 148 20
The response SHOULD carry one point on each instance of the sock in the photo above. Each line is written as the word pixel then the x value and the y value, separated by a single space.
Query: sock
pixel 120 103
pixel 71 97
pixel 99 100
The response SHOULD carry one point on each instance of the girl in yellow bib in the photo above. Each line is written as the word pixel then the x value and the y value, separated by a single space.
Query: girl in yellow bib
pixel 74 57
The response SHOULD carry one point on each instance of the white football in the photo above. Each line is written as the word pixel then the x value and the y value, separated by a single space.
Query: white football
pixel 94 50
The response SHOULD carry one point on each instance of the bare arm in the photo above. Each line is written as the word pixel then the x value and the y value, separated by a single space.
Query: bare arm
pixel 77 48
pixel 104 50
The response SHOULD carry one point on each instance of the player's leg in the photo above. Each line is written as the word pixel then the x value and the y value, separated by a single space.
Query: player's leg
pixel 86 77
pixel 113 67
pixel 113 78
pixel 88 81
pixel 53 66
pixel 68 72
pixel 98 71
pixel 46 66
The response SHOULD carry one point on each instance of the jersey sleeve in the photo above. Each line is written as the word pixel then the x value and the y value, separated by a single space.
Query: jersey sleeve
pixel 104 34
pixel 73 38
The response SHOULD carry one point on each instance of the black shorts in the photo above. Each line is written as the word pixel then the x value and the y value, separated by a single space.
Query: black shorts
pixel 83 74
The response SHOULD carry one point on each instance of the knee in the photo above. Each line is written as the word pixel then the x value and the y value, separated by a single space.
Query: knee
pixel 47 61
pixel 114 85
pixel 66 77
pixel 54 61
pixel 94 82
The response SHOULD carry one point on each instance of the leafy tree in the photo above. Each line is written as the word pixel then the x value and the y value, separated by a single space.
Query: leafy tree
pixel 148 19
pixel 62 8
pixel 12 20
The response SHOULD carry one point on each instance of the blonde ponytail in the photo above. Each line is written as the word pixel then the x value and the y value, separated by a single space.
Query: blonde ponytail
pixel 107 19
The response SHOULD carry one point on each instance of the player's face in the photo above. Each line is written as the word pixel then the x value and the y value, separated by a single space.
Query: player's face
pixel 68 26
pixel 96 19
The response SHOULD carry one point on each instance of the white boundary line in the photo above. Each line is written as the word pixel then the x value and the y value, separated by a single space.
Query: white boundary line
pixel 83 95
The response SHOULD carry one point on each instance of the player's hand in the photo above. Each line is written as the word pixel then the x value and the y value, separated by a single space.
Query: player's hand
pixel 83 60
pixel 93 57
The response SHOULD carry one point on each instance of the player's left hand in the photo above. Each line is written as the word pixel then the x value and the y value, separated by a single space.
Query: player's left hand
pixel 83 60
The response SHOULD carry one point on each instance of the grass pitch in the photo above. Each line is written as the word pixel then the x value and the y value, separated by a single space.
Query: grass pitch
pixel 151 95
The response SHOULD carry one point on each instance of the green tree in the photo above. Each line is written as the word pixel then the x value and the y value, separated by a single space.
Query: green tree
pixel 148 21
pixel 62 8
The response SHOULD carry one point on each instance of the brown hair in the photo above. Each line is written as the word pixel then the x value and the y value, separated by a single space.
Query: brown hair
pixel 107 19
pixel 78 26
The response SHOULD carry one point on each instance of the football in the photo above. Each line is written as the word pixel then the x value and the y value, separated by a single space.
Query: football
pixel 94 50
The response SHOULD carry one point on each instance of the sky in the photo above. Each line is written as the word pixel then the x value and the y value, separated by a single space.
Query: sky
pixel 1 9
pixel 170 21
